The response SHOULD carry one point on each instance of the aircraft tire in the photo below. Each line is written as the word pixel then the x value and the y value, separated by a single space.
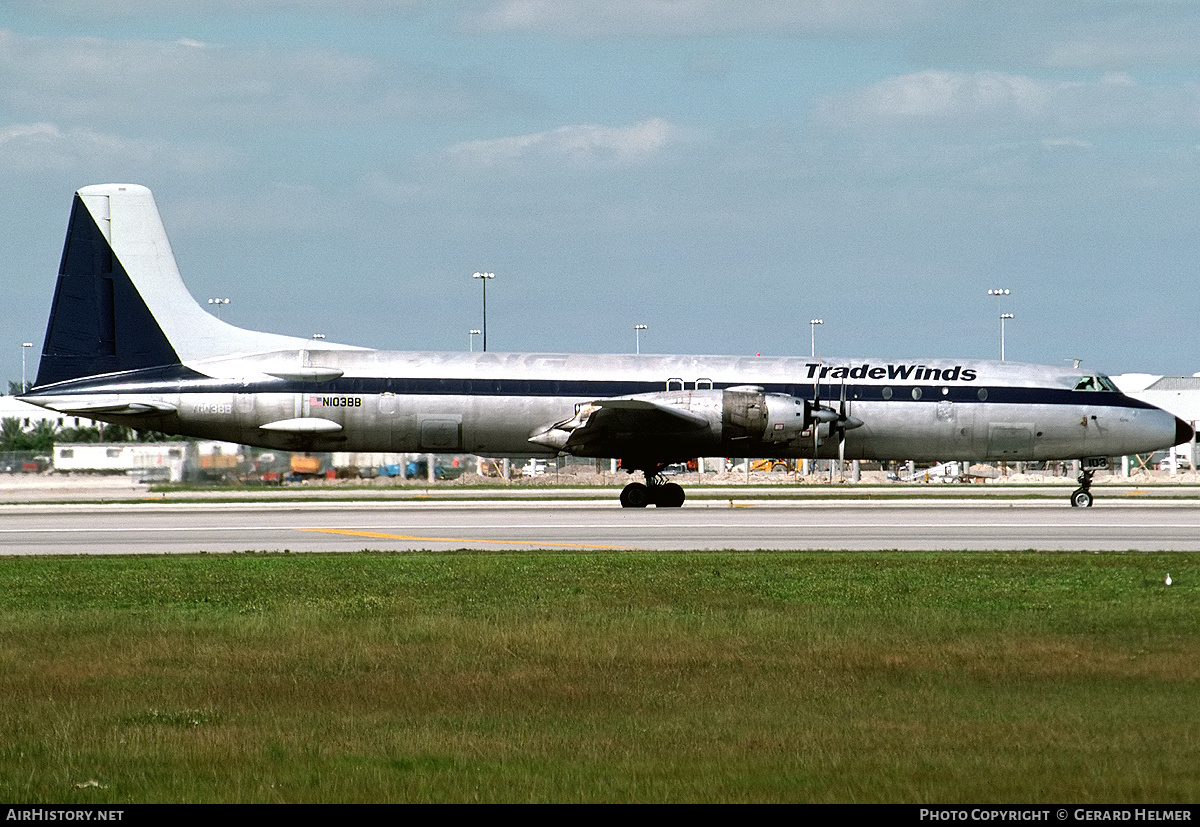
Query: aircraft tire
pixel 670 496
pixel 1081 498
pixel 635 495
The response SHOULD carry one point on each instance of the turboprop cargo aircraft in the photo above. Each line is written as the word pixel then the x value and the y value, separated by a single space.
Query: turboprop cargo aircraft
pixel 127 343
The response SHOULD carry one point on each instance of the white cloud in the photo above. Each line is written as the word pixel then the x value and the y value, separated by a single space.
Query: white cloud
pixel 189 82
pixel 593 18
pixel 578 147
pixel 34 147
pixel 1169 37
pixel 106 9
pixel 999 100
pixel 1065 143
pixel 934 97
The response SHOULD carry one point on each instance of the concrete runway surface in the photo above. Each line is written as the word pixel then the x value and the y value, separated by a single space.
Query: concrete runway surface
pixel 170 528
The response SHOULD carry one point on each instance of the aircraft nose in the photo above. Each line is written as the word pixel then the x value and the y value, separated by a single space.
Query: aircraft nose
pixel 1183 431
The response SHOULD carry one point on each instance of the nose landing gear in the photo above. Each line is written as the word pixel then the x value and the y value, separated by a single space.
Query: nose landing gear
pixel 657 491
pixel 1081 497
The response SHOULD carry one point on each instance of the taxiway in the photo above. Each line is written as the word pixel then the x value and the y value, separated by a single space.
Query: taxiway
pixel 746 524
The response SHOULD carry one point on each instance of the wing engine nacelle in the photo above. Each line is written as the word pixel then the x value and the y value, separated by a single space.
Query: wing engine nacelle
pixel 749 415
pixel 681 424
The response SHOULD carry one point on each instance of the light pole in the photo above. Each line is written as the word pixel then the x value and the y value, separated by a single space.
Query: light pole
pixel 485 277
pixel 218 303
pixel 24 345
pixel 1003 316
pixel 1000 293
pixel 474 333
pixel 813 330
pixel 637 337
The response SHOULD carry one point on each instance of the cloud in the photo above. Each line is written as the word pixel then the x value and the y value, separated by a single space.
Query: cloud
pixel 1065 143
pixel 943 99
pixel 937 97
pixel 199 84
pixel 1169 37
pixel 106 9
pixel 585 146
pixel 40 147
pixel 595 18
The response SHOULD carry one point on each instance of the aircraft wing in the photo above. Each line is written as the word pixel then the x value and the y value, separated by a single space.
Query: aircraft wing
pixel 614 427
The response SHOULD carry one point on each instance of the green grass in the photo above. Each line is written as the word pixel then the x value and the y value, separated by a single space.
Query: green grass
pixel 600 677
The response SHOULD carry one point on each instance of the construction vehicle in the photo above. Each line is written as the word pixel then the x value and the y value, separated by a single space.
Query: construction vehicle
pixel 777 466
pixel 303 465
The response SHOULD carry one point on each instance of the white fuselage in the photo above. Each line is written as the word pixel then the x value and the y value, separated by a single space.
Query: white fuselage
pixel 492 403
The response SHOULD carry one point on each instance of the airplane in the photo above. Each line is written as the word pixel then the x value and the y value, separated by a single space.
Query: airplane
pixel 127 343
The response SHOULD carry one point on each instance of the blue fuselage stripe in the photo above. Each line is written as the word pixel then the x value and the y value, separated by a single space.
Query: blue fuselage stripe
pixel 183 380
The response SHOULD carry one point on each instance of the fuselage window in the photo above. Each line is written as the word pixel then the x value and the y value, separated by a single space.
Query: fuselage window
pixel 887 393
pixel 982 394
pixel 916 393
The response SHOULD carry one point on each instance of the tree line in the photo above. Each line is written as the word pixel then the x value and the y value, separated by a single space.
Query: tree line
pixel 41 436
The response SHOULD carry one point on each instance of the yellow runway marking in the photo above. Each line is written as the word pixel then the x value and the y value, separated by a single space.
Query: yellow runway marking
pixel 378 535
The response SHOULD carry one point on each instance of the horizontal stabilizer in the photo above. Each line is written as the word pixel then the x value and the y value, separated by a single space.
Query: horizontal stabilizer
pixel 82 407
pixel 307 374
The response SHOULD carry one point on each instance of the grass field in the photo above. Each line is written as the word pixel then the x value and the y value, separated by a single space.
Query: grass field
pixel 543 677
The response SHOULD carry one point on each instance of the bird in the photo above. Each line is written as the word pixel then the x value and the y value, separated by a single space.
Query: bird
pixel 1168 580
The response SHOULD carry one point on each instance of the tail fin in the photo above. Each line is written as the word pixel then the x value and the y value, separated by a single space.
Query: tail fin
pixel 87 334
pixel 120 303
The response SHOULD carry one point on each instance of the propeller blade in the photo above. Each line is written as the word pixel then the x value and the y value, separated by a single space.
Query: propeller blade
pixel 816 410
pixel 842 433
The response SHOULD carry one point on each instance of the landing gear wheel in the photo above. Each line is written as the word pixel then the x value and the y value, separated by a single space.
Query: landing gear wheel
pixel 1081 497
pixel 669 496
pixel 635 495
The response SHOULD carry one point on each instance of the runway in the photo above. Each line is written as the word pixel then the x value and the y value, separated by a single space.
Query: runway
pixel 911 525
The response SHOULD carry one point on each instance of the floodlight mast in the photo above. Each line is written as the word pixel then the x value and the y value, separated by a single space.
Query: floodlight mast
pixel 485 278
pixel 1000 293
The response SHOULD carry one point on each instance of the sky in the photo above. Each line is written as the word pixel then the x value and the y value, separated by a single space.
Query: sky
pixel 722 171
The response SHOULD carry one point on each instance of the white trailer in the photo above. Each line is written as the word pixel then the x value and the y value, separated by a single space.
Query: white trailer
pixel 159 460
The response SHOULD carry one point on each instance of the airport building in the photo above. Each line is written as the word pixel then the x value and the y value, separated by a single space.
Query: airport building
pixel 1179 395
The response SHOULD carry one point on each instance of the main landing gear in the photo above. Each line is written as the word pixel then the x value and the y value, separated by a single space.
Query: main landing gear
pixel 657 491
pixel 1081 497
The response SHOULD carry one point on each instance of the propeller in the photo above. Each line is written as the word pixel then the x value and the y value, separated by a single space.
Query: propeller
pixel 816 425
pixel 839 421
pixel 841 428
pixel 817 414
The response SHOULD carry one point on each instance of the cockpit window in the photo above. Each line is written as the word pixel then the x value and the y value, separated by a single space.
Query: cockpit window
pixel 1099 382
